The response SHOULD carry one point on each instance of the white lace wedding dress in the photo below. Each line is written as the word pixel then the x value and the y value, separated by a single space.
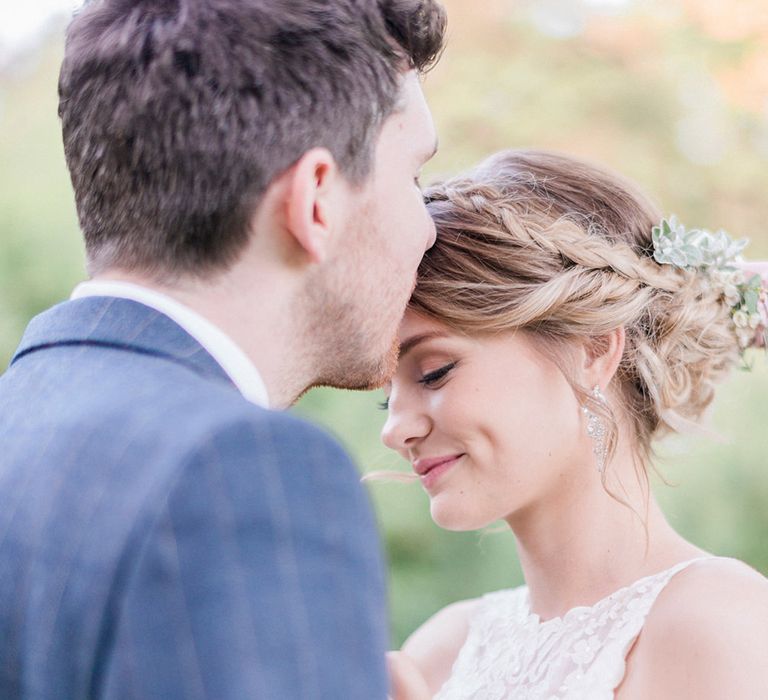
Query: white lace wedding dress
pixel 510 654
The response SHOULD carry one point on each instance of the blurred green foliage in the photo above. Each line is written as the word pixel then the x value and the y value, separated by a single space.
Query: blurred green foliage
pixel 656 94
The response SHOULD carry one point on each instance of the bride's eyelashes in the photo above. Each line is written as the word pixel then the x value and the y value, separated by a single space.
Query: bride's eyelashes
pixel 432 380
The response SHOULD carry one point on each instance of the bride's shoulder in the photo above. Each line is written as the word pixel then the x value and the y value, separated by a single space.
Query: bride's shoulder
pixel 706 635
pixel 435 645
pixel 709 593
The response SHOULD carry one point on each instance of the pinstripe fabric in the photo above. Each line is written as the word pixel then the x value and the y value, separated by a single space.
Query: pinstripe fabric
pixel 162 537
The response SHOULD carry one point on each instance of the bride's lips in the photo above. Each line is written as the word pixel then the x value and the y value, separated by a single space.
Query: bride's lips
pixel 430 469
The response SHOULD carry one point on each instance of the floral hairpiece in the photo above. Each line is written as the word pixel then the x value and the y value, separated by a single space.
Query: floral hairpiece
pixel 717 256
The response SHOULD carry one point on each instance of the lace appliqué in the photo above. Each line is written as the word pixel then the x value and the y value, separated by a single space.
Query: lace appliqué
pixel 510 654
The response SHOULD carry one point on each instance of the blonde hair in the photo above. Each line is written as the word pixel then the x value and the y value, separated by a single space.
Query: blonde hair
pixel 548 244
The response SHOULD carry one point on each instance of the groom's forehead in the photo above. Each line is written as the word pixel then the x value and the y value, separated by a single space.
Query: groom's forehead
pixel 412 119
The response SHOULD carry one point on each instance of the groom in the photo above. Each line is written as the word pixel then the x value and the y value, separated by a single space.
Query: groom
pixel 246 178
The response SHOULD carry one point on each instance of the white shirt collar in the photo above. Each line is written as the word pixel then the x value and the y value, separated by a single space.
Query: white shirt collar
pixel 218 344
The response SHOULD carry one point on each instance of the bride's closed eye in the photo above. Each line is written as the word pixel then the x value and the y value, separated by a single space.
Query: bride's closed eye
pixel 431 379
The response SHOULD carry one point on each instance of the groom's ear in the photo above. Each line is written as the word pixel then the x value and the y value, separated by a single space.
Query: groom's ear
pixel 601 357
pixel 311 197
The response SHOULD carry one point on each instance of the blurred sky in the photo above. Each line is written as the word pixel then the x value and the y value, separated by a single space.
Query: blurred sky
pixel 21 22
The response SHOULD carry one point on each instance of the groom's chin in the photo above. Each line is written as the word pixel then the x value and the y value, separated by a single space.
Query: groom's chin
pixel 356 376
pixel 385 369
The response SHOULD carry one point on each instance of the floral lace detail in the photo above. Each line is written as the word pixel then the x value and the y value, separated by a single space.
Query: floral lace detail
pixel 510 654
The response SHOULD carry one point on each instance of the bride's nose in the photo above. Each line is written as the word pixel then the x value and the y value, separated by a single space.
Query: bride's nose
pixel 405 427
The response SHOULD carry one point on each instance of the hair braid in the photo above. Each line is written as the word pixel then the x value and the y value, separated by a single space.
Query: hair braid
pixel 541 242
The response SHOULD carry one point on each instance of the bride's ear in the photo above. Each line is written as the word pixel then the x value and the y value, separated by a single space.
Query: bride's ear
pixel 601 358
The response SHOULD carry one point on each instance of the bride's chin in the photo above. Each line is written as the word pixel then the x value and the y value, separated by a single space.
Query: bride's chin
pixel 449 517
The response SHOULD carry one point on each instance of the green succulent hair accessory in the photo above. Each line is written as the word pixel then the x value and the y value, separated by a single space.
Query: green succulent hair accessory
pixel 717 256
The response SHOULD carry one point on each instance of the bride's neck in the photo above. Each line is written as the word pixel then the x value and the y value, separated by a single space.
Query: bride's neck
pixel 587 545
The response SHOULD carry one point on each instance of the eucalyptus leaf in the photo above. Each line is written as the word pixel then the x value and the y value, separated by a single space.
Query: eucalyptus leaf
pixel 751 297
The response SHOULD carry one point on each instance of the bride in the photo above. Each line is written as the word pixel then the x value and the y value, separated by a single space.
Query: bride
pixel 556 331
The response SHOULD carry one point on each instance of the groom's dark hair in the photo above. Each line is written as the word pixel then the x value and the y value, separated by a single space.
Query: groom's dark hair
pixel 177 114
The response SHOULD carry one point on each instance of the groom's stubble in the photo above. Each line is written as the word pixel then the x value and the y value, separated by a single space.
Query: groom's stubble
pixel 352 313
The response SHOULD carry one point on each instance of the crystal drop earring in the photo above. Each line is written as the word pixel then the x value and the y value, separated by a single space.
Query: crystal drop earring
pixel 597 430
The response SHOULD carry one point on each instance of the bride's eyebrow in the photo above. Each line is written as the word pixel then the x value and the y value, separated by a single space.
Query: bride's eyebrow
pixel 408 345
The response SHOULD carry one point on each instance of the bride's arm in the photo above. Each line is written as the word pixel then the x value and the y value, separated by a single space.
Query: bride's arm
pixel 430 651
pixel 406 680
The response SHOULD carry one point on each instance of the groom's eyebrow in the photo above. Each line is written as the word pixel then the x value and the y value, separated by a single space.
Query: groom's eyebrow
pixel 408 345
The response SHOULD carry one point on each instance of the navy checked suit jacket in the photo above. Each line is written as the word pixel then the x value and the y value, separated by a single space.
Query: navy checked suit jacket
pixel 161 537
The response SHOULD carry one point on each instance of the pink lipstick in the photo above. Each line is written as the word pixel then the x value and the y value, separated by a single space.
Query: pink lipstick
pixel 430 469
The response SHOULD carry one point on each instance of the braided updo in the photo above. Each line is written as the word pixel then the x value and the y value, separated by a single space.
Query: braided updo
pixel 548 244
